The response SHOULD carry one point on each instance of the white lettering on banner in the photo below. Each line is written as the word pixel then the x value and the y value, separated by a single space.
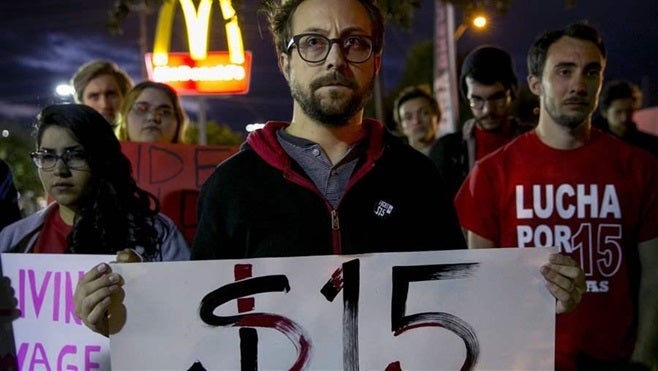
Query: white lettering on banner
pixel 600 286
pixel 565 201
pixel 218 72
pixel 597 247
pixel 599 254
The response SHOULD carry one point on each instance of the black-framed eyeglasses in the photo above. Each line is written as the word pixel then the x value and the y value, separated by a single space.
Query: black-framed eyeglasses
pixel 314 48
pixel 73 159
pixel 496 99
pixel 143 109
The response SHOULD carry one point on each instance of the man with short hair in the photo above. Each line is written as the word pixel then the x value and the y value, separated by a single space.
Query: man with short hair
pixel 101 85
pixel 568 185
pixel 417 115
pixel 488 82
pixel 618 104
pixel 328 182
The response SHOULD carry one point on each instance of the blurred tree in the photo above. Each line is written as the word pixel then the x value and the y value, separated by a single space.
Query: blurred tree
pixel 15 150
pixel 216 134
pixel 398 12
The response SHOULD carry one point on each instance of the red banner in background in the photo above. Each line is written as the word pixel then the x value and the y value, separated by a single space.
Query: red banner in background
pixel 445 69
pixel 174 173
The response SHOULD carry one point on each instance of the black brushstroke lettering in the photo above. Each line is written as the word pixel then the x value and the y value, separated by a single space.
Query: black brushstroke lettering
pixel 400 322
pixel 248 349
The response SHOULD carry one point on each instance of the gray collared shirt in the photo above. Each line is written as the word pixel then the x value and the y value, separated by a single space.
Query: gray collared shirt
pixel 330 180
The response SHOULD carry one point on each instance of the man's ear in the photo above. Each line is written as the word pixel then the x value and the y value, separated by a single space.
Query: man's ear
pixel 534 84
pixel 378 62
pixel 284 65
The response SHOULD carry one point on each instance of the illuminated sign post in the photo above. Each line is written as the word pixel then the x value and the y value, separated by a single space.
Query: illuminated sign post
pixel 200 72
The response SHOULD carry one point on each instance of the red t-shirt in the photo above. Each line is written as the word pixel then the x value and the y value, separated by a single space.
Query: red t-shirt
pixel 52 238
pixel 596 203
pixel 487 141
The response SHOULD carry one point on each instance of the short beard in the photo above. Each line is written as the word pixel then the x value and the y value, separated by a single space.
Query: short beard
pixel 570 122
pixel 331 116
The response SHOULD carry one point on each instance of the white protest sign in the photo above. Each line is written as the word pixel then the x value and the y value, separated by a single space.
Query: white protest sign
pixel 477 309
pixel 48 335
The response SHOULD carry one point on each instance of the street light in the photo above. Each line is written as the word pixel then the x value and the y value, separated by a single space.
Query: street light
pixel 478 20
pixel 64 93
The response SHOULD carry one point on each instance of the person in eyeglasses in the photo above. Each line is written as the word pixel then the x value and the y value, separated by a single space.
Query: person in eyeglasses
pixel 329 181
pixel 151 112
pixel 489 84
pixel 97 208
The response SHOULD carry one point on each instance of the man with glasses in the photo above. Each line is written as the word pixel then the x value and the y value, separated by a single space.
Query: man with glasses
pixel 324 182
pixel 329 181
pixel 489 84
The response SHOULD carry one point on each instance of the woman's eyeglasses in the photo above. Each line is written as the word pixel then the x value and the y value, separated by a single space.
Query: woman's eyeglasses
pixel 73 159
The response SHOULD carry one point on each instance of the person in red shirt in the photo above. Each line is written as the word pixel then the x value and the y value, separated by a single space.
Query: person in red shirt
pixel 571 186
pixel 489 84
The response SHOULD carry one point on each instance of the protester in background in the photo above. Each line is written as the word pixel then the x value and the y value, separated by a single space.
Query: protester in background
pixel 151 112
pixel 489 83
pixel 568 185
pixel 9 210
pixel 325 182
pixel 618 104
pixel 417 115
pixel 97 208
pixel 101 85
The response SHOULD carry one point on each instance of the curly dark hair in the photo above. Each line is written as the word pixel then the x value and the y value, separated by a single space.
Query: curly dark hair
pixel 279 14
pixel 113 213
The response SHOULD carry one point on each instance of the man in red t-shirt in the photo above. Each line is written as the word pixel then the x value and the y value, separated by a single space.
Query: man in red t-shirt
pixel 488 82
pixel 568 185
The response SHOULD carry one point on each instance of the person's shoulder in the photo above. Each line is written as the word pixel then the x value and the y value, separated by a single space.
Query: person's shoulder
pixel 627 152
pixel 450 138
pixel 11 234
pixel 519 126
pixel 523 144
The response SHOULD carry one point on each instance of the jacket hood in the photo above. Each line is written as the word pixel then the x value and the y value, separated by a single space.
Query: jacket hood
pixel 265 143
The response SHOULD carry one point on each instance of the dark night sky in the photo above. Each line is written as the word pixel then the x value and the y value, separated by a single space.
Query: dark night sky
pixel 44 41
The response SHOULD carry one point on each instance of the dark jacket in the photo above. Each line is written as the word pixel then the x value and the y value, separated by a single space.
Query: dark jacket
pixel 637 138
pixel 9 211
pixel 260 203
pixel 454 153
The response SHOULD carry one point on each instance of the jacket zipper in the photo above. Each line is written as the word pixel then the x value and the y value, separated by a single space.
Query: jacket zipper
pixel 335 232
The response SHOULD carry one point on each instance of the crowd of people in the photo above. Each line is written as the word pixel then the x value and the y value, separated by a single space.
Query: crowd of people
pixel 321 183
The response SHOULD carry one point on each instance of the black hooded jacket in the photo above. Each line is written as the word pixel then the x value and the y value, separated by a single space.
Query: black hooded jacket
pixel 260 203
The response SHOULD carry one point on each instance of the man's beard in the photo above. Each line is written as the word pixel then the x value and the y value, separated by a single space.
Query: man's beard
pixel 568 121
pixel 331 114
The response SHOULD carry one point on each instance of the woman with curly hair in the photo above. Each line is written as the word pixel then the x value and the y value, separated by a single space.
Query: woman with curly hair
pixel 98 208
